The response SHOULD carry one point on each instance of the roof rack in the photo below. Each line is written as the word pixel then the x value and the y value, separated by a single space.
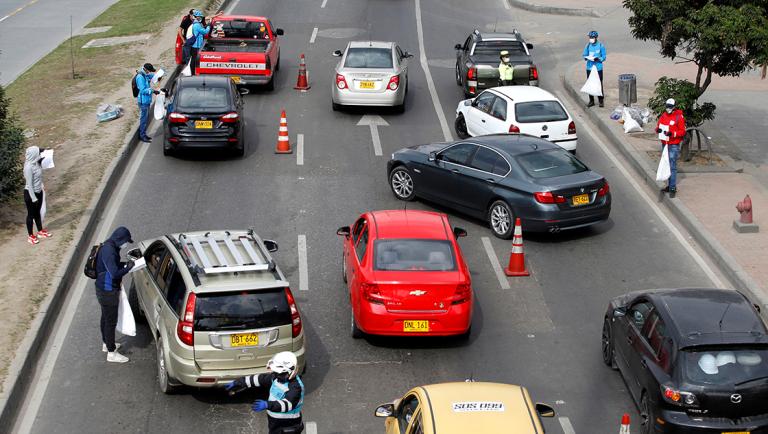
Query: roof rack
pixel 221 252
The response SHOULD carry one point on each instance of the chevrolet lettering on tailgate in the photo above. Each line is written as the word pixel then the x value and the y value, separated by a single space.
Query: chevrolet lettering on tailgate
pixel 228 65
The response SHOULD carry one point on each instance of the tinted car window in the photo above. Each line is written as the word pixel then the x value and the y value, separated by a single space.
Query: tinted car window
pixel 241 310
pixel 458 154
pixel 368 58
pixel 484 101
pixel 638 313
pixel 489 161
pixel 406 410
pixel 496 47
pixel 540 111
pixel 154 255
pixel 242 29
pixel 175 292
pixel 499 109
pixel 204 98
pixel 550 163
pixel 362 245
pixel 413 255
pixel 726 365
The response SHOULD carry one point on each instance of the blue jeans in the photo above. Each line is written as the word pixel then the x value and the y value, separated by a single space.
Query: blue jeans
pixel 674 152
pixel 143 120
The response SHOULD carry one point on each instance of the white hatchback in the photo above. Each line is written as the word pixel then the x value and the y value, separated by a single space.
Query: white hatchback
pixel 517 109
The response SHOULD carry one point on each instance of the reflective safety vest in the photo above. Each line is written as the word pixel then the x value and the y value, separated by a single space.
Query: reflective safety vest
pixel 277 393
pixel 506 71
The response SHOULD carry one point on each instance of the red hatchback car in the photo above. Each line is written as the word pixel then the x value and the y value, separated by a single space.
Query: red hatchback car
pixel 406 275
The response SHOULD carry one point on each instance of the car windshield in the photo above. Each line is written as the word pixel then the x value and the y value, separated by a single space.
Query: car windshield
pixel 736 366
pixel 550 163
pixel 540 111
pixel 368 57
pixel 205 98
pixel 242 310
pixel 496 47
pixel 413 255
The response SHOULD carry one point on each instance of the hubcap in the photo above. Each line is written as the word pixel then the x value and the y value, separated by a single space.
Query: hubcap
pixel 402 183
pixel 500 220
pixel 606 344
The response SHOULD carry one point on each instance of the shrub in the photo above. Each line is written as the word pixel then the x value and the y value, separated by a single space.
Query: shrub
pixel 11 146
pixel 685 94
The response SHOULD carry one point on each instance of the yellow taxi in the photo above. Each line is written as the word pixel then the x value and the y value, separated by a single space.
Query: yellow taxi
pixel 465 408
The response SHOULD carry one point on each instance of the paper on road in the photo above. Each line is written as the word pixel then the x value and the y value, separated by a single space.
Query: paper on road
pixel 47 162
pixel 138 265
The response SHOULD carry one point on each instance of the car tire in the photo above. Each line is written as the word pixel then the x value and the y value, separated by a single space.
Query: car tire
pixel 458 75
pixel 133 301
pixel 240 150
pixel 343 269
pixel 336 107
pixel 461 127
pixel 167 150
pixel 607 345
pixel 465 336
pixel 354 330
pixel 271 85
pixel 402 184
pixel 277 65
pixel 400 108
pixel 647 416
pixel 501 220
pixel 163 378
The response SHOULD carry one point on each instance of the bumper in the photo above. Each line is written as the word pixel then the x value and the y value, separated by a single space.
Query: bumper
pixel 220 140
pixel 553 219
pixel 245 80
pixel 680 422
pixel 387 98
pixel 480 86
pixel 568 145
pixel 374 319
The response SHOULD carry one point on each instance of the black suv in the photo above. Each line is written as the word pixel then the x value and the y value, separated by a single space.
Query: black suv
pixel 694 360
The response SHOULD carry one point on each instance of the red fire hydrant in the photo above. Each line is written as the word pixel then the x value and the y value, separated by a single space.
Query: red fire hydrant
pixel 745 209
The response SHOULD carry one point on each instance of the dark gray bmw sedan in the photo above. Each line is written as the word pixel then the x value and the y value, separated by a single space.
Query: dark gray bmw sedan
pixel 501 177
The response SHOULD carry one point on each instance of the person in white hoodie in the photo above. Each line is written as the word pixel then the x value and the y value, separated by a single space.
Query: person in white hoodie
pixel 33 194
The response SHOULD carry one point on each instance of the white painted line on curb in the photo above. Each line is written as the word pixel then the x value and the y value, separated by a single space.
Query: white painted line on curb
pixel 311 426
pixel 324 2
pixel 566 424
pixel 495 263
pixel 303 273
pixel 430 83
pixel 654 206
pixel 314 35
pixel 506 4
pixel 300 149
pixel 35 399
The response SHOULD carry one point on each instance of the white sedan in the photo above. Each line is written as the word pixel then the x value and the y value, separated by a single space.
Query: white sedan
pixel 517 109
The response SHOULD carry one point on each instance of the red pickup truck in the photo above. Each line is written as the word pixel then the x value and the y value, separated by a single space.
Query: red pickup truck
pixel 245 48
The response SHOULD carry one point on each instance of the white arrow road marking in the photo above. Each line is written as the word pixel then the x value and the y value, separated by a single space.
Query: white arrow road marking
pixel 374 121
pixel 311 426
pixel 566 424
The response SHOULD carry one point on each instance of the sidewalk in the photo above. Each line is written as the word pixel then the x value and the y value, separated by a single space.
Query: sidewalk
pixel 592 8
pixel 708 193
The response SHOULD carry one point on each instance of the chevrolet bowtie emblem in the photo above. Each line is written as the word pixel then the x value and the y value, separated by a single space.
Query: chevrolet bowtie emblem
pixel 418 292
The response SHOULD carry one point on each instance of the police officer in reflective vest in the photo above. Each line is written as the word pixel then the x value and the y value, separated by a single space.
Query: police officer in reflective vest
pixel 286 393
pixel 506 69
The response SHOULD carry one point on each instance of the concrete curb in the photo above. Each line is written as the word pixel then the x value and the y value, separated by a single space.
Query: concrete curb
pixel 724 260
pixel 555 10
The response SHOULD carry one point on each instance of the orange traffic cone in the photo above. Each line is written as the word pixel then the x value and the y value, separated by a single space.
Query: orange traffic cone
pixel 302 82
pixel 516 265
pixel 624 429
pixel 283 142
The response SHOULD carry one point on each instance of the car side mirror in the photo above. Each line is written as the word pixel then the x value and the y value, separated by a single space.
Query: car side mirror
pixel 134 253
pixel 344 230
pixel 407 55
pixel 432 156
pixel 243 91
pixel 468 102
pixel 279 32
pixel 385 410
pixel 459 232
pixel 457 46
pixel 619 312
pixel 757 307
pixel 529 45
pixel 545 410
pixel 337 53
pixel 270 245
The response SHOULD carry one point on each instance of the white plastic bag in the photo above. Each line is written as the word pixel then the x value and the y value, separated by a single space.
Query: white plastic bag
pixel 160 106
pixel 47 162
pixel 44 207
pixel 187 71
pixel 664 171
pixel 126 324
pixel 632 126
pixel 593 86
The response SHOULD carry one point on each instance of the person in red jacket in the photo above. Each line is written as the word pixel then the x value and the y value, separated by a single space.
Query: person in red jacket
pixel 671 129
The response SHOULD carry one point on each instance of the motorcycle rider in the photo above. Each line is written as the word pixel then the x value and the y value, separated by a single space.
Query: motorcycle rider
pixel 506 69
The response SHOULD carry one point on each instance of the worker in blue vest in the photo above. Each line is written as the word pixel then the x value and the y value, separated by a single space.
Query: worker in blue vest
pixel 594 54
pixel 286 393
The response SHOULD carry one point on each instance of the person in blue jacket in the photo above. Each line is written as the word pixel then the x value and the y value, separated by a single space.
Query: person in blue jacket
pixel 109 275
pixel 144 84
pixel 198 33
pixel 594 54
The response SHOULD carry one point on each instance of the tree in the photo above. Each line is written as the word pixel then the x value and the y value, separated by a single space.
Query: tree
pixel 11 145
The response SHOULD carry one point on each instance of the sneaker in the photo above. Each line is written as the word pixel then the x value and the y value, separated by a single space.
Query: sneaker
pixel 672 193
pixel 44 234
pixel 104 347
pixel 591 104
pixel 601 104
pixel 32 240
pixel 146 139
pixel 116 357
pixel 665 189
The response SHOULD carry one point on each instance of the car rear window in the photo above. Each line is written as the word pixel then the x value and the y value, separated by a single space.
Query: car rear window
pixel 207 98
pixel 496 47
pixel 413 255
pixel 540 111
pixel 726 365
pixel 550 163
pixel 242 29
pixel 368 58
pixel 242 310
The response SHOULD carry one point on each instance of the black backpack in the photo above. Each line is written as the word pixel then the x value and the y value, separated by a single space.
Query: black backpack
pixel 134 86
pixel 90 263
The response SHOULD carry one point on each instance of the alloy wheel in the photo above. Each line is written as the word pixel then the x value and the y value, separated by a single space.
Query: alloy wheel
pixel 501 220
pixel 402 184
pixel 606 344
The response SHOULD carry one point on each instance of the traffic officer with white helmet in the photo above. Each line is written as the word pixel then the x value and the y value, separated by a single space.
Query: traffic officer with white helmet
pixel 506 69
pixel 286 393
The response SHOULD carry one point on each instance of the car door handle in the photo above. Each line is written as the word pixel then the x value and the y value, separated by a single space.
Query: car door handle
pixel 158 307
pixel 490 181
pixel 630 340
pixel 643 363
pixel 456 171
pixel 482 120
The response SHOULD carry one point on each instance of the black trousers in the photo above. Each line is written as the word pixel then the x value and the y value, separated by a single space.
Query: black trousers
pixel 109 301
pixel 33 210
pixel 195 59
pixel 599 98
pixel 285 426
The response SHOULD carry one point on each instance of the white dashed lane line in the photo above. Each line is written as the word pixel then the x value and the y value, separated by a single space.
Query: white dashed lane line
pixel 324 2
pixel 303 273
pixel 566 424
pixel 506 4
pixel 300 149
pixel 495 263
pixel 314 35
pixel 311 426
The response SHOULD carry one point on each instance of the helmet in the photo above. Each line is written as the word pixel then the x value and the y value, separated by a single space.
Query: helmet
pixel 725 357
pixel 708 364
pixel 670 103
pixel 504 53
pixel 593 34
pixel 197 13
pixel 283 363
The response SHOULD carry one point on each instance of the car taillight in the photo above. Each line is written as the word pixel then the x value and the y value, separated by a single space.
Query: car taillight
pixel 295 317
pixel 472 80
pixel 394 82
pixel 372 294
pixel 230 118
pixel 604 189
pixel 513 128
pixel 462 295
pixel 471 73
pixel 177 118
pixel 341 82
pixel 185 328
pixel 548 197
pixel 533 73
pixel 572 128
pixel 678 397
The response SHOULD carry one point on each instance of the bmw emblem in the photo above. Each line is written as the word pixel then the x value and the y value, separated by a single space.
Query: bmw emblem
pixel 736 398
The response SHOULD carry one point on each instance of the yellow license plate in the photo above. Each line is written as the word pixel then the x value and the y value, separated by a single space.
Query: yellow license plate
pixel 735 432
pixel 204 124
pixel 367 85
pixel 580 199
pixel 411 325
pixel 244 340
pixel 235 79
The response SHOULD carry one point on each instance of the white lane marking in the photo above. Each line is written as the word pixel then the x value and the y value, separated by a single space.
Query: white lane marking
pixel 654 206
pixel 18 10
pixel 314 35
pixel 303 273
pixel 506 4
pixel 4 18
pixel 374 121
pixel 300 149
pixel 495 263
pixel 566 424
pixel 32 406
pixel 311 426
pixel 430 83
pixel 232 7
pixel 324 2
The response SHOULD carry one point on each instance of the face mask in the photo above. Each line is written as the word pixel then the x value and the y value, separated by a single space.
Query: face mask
pixel 505 59
pixel 669 110
pixel 592 40
pixel 124 245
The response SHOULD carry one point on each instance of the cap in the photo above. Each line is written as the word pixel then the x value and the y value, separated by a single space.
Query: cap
pixel 197 13
pixel 504 53
pixel 592 34
pixel 149 67
pixel 670 102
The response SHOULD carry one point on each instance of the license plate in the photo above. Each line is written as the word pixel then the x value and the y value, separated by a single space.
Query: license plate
pixel 411 325
pixel 236 80
pixel 367 85
pixel 244 340
pixel 580 199
pixel 735 432
pixel 204 124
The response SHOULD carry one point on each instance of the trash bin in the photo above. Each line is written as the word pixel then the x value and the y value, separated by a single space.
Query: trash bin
pixel 627 89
